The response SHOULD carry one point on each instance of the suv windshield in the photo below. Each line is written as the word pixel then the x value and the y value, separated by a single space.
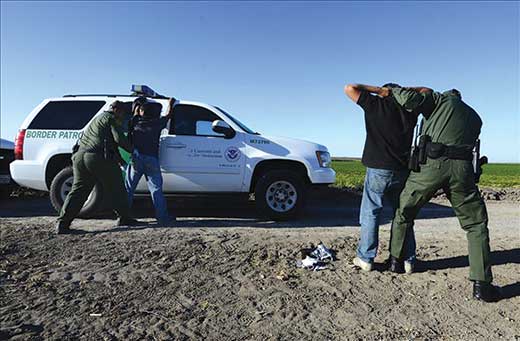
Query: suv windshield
pixel 238 123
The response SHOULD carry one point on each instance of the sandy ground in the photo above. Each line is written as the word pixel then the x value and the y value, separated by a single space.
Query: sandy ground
pixel 223 275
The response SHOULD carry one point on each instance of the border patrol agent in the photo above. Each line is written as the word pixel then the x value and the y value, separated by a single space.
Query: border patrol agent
pixel 451 129
pixel 96 160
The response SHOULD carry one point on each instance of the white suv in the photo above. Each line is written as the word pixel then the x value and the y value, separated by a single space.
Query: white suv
pixel 204 150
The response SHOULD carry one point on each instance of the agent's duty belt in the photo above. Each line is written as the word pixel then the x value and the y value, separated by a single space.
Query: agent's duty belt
pixel 436 150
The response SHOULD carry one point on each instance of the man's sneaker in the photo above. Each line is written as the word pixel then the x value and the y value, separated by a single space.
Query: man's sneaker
pixel 365 266
pixel 62 227
pixel 127 222
pixel 486 292
pixel 396 265
pixel 409 267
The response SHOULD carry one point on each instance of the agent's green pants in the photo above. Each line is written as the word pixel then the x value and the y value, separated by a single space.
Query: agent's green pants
pixel 455 176
pixel 90 168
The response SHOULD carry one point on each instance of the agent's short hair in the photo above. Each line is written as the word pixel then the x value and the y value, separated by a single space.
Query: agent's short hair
pixel 117 105
pixel 454 92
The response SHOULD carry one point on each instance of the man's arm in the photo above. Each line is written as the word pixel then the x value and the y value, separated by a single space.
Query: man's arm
pixel 171 103
pixel 353 91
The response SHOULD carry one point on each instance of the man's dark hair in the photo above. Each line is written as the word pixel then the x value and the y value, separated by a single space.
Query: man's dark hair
pixel 148 111
pixel 138 102
pixel 391 85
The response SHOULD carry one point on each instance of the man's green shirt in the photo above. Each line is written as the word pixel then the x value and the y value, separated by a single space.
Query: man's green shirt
pixel 452 122
pixel 101 127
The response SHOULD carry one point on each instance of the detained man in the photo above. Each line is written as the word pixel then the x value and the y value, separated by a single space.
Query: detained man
pixel 389 130
pixel 145 131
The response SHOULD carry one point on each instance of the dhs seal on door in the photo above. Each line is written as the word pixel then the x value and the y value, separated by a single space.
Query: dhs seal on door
pixel 232 154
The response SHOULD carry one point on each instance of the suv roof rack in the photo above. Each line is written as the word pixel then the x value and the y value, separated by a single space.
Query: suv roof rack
pixel 137 91
pixel 98 95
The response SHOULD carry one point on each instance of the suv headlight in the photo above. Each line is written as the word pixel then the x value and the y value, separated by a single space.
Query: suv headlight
pixel 324 159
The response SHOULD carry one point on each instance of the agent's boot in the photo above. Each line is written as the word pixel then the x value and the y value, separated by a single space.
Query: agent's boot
pixel 486 292
pixel 62 227
pixel 396 265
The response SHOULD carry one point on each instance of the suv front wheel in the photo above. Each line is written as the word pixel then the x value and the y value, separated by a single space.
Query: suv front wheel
pixel 280 194
pixel 61 186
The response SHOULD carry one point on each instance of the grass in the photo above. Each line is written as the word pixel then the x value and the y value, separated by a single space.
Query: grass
pixel 500 175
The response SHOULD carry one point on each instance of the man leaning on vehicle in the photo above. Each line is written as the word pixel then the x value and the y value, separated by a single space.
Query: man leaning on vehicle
pixel 96 160
pixel 387 146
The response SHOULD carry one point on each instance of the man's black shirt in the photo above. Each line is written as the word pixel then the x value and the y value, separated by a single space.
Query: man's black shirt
pixel 145 134
pixel 389 132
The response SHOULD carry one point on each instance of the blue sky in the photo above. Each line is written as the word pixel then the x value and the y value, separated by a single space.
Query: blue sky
pixel 279 67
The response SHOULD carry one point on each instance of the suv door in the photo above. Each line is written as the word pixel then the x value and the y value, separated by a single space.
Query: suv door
pixel 194 158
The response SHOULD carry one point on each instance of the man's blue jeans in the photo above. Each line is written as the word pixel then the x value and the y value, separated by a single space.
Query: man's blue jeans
pixel 381 186
pixel 149 167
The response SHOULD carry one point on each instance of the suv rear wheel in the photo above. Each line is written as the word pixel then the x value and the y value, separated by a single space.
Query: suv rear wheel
pixel 280 194
pixel 60 188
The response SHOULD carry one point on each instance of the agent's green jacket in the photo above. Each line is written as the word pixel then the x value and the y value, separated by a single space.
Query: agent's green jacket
pixel 101 127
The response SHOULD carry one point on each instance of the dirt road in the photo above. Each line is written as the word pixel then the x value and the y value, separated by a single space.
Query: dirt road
pixel 223 275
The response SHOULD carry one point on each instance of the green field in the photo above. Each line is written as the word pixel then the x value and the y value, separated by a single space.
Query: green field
pixel 352 173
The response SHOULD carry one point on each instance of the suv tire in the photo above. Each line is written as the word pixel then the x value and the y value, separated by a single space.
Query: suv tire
pixel 280 194
pixel 60 187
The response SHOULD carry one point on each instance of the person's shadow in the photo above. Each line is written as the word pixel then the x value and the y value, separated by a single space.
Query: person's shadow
pixel 497 258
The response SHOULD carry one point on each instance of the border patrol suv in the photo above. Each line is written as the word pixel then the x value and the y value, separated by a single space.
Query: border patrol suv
pixel 204 150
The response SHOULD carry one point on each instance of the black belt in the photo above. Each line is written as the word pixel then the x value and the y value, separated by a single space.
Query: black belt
pixel 436 150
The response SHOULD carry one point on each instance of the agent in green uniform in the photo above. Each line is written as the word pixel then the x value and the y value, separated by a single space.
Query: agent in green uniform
pixel 97 161
pixel 451 129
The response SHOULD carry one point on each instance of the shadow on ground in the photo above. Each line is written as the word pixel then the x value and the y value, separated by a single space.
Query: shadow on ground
pixel 500 257
pixel 497 258
pixel 322 210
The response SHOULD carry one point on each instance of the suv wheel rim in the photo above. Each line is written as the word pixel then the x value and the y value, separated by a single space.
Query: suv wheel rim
pixel 66 186
pixel 281 196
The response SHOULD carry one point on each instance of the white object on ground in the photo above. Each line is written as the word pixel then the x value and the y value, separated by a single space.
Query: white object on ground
pixel 322 253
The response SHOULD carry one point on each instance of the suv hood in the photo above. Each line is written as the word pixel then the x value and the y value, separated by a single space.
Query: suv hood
pixel 295 145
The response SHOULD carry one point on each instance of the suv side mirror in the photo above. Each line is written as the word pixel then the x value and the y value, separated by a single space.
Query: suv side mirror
pixel 221 127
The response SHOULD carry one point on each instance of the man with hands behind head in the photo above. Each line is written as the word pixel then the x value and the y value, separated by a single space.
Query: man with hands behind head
pixel 389 131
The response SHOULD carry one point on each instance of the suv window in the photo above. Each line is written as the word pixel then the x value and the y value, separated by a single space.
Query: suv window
pixel 193 120
pixel 65 115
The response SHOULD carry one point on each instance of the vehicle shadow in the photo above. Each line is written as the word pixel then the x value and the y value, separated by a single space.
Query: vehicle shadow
pixel 321 211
